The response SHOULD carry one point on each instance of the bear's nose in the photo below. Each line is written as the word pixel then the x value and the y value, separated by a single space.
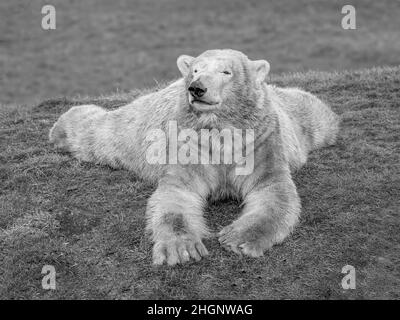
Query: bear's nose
pixel 197 89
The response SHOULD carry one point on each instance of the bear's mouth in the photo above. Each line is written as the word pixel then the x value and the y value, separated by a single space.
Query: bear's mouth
pixel 203 105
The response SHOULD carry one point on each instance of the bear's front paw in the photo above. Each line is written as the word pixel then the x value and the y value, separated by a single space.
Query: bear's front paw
pixel 178 249
pixel 251 240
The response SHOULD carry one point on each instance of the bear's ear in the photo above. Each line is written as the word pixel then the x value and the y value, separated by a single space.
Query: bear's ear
pixel 260 69
pixel 183 63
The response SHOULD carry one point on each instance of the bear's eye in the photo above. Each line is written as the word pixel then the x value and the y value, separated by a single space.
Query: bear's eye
pixel 226 72
pixel 195 70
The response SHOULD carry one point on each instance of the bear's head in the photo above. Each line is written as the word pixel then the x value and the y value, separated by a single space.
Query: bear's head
pixel 221 81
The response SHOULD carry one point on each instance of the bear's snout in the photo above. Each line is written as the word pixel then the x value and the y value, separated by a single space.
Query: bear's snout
pixel 197 89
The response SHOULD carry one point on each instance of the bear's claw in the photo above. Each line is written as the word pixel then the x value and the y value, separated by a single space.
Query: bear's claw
pixel 178 250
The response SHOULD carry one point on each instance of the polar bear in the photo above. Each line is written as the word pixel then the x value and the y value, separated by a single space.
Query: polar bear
pixel 219 89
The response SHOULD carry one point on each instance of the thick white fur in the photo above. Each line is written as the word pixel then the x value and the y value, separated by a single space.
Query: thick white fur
pixel 288 124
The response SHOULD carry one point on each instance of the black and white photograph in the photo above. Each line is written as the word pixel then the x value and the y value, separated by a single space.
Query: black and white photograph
pixel 215 153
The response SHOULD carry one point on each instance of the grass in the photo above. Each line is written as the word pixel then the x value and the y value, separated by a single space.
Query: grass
pixel 102 46
pixel 88 220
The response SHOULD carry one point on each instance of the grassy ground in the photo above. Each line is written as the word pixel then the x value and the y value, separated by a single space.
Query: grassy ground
pixel 100 46
pixel 88 220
